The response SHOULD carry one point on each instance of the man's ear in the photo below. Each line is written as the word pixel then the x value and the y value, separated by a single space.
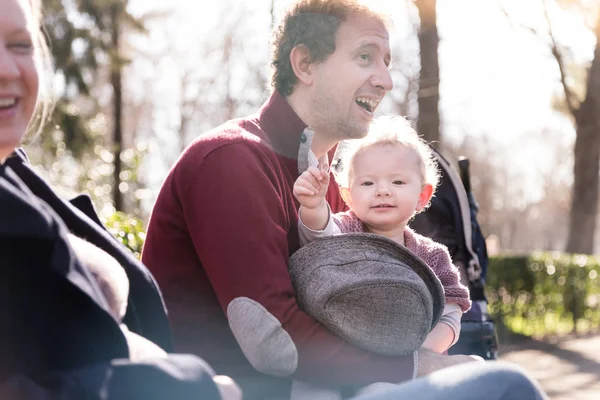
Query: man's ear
pixel 301 63
pixel 425 196
pixel 345 192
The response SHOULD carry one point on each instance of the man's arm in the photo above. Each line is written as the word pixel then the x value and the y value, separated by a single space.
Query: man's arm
pixel 239 218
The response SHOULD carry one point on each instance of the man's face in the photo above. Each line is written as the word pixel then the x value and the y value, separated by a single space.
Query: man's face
pixel 349 85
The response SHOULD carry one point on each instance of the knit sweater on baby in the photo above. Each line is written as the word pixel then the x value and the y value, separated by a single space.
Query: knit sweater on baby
pixel 434 254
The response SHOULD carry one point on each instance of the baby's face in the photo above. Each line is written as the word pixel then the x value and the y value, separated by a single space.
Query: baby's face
pixel 385 186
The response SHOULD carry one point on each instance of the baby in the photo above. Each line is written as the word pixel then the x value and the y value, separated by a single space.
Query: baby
pixel 113 282
pixel 385 179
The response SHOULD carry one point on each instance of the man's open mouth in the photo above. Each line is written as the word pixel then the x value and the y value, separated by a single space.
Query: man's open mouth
pixel 367 104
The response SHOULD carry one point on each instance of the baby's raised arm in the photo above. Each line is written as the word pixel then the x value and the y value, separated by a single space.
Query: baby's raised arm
pixel 310 189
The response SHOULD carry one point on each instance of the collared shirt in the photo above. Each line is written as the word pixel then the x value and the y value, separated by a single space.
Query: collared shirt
pixel 306 157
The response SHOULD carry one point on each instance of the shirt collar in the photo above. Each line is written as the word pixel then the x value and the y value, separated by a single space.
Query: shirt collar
pixel 306 157
pixel 288 134
pixel 282 125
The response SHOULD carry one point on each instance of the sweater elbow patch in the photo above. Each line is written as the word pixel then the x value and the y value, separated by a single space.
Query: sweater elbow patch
pixel 266 345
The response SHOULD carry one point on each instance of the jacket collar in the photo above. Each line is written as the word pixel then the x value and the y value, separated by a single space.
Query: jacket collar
pixel 19 209
pixel 146 313
pixel 24 215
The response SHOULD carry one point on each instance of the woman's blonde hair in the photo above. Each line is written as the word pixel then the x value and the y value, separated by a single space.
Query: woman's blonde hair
pixel 43 59
pixel 388 130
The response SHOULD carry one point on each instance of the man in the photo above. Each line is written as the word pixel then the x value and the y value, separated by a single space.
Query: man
pixel 225 222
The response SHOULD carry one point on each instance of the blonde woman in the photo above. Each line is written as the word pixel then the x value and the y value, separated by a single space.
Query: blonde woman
pixel 80 316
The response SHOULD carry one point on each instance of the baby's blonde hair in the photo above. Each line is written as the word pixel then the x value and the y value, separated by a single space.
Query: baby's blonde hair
pixel 388 130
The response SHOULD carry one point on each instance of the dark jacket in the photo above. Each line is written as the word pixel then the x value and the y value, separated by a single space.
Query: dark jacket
pixel 57 338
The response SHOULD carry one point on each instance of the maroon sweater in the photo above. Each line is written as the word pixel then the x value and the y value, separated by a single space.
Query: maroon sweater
pixel 223 227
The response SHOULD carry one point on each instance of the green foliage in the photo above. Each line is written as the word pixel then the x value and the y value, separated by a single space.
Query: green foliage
pixel 75 150
pixel 91 173
pixel 128 229
pixel 75 52
pixel 545 293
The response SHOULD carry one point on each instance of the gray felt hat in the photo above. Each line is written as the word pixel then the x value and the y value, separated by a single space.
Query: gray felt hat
pixel 369 290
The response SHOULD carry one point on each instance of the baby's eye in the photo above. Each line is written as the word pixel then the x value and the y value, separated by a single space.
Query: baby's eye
pixel 367 183
pixel 398 182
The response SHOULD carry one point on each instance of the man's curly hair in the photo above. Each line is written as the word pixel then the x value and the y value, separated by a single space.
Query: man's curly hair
pixel 314 24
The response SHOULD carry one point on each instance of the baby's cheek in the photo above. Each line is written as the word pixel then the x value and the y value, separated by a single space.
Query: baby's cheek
pixel 109 274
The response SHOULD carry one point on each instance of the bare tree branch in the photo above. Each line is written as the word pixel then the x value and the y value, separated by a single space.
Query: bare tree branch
pixel 529 29
pixel 569 98
pixel 272 10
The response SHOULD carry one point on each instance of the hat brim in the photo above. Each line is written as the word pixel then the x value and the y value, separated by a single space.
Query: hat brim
pixel 352 249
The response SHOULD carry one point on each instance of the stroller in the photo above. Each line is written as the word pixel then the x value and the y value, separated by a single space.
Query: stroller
pixel 452 220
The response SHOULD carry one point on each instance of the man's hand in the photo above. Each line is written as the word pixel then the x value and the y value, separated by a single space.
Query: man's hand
pixel 430 362
pixel 311 187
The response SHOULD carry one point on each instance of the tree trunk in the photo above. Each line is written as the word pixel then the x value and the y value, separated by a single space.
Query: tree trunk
pixel 428 123
pixel 116 82
pixel 586 169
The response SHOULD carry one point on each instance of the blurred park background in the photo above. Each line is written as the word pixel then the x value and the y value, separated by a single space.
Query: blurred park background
pixel 514 85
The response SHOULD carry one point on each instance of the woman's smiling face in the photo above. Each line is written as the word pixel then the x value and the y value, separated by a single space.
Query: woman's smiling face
pixel 19 78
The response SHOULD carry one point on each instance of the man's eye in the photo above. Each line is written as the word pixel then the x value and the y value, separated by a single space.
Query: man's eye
pixel 365 57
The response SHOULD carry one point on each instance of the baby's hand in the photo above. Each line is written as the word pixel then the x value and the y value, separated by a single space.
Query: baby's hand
pixel 311 187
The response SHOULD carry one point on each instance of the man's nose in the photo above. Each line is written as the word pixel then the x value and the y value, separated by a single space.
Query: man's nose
pixel 382 79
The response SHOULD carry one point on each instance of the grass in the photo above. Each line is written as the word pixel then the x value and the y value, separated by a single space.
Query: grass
pixel 547 325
